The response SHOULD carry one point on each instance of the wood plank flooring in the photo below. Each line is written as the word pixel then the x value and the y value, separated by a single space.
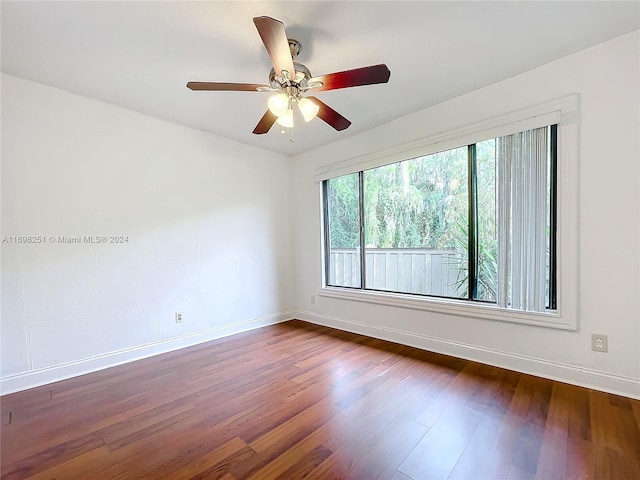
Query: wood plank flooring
pixel 296 400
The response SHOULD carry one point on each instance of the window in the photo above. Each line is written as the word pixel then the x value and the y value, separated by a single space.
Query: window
pixel 342 205
pixel 474 223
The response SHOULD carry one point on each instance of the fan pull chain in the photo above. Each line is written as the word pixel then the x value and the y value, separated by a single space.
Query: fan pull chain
pixel 292 139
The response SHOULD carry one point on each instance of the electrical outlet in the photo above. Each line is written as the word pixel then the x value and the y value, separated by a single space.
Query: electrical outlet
pixel 313 300
pixel 178 317
pixel 599 343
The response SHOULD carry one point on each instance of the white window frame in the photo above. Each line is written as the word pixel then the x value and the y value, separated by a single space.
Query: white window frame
pixel 564 112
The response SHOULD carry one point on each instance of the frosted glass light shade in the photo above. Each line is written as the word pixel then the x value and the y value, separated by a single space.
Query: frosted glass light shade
pixel 308 108
pixel 278 104
pixel 286 119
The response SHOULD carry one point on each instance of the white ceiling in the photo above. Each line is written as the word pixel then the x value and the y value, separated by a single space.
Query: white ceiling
pixel 140 55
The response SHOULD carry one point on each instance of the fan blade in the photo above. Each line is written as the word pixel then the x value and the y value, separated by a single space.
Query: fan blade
pixel 330 116
pixel 265 123
pixel 219 86
pixel 353 78
pixel 275 41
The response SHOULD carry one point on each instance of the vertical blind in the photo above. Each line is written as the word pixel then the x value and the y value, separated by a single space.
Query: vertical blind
pixel 522 185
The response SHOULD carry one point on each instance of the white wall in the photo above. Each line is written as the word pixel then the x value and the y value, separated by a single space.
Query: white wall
pixel 607 79
pixel 207 221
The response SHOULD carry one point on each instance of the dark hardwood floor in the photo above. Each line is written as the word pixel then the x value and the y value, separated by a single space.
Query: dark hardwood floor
pixel 296 400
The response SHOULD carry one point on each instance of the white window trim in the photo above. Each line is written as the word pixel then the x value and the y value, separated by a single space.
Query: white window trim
pixel 563 111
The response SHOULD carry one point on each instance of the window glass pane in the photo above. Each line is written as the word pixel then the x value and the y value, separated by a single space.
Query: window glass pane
pixel 486 214
pixel 416 225
pixel 343 220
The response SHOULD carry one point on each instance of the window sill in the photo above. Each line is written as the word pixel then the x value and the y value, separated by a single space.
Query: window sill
pixel 449 307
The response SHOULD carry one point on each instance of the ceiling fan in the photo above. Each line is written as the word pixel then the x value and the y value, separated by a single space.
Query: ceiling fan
pixel 290 80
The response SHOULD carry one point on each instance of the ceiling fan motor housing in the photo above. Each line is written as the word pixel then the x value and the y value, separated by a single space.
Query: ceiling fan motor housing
pixel 302 76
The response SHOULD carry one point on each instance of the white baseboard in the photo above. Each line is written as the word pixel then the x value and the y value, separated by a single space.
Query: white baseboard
pixel 606 382
pixel 35 378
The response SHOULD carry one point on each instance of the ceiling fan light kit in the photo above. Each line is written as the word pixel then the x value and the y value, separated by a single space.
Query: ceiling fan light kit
pixel 279 104
pixel 308 109
pixel 290 80
pixel 286 119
